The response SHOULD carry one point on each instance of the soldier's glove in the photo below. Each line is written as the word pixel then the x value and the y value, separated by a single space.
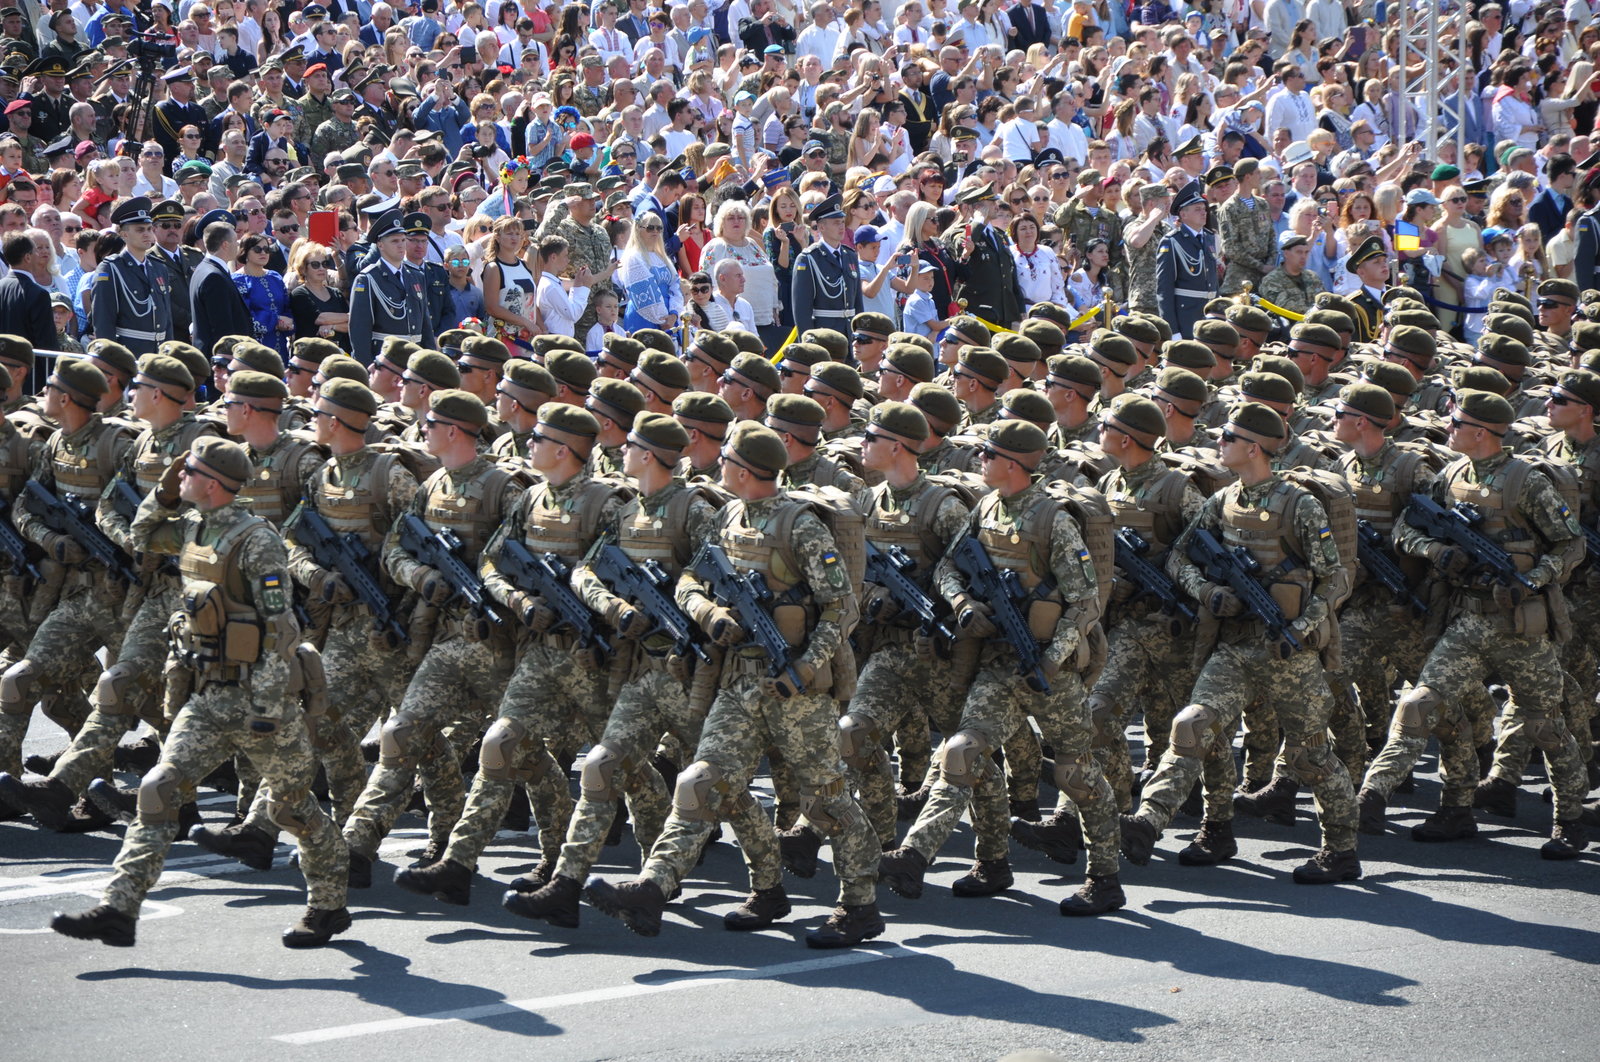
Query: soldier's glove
pixel 433 587
pixel 1509 596
pixel 167 485
pixel 1122 591
pixel 724 626
pixel 881 605
pixel 678 667
pixel 782 687
pixel 65 549
pixel 627 621
pixel 588 658
pixel 924 646
pixel 1050 666
pixel 333 590
pixel 1220 601
pixel 973 617
pixel 531 611
pixel 1448 559
pixel 476 629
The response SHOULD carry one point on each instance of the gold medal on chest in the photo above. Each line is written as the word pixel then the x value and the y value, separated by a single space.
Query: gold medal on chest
pixel 266 474
pixel 656 523
pixel 1015 538
pixel 1484 491
pixel 566 518
pixel 1377 488
pixel 1265 516
pixel 904 518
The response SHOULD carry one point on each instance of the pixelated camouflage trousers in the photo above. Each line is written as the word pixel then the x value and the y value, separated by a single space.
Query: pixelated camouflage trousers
pixel 742 723
pixel 214 725
pixel 1240 674
pixel 998 702
pixel 1580 661
pixel 1149 669
pixel 650 705
pixel 454 676
pixel 550 701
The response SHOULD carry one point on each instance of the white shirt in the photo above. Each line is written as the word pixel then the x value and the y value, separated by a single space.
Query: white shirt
pixel 1292 111
pixel 677 141
pixel 1069 139
pixel 820 40
pixel 1016 139
pixel 739 313
pixel 669 51
pixel 559 310
pixel 168 189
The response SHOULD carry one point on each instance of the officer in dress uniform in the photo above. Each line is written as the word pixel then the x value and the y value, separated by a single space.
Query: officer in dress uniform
pixel 436 279
pixel 1186 263
pixel 180 262
pixel 388 297
pixel 1370 262
pixel 177 111
pixel 990 290
pixel 132 289
pixel 1586 263
pixel 827 276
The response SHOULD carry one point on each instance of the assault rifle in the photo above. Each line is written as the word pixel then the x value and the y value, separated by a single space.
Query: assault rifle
pixel 1002 590
pixel 441 551
pixel 547 575
pixel 125 502
pixel 1148 580
pixel 647 585
pixel 14 548
pixel 350 557
pixel 747 594
pixel 70 516
pixel 891 569
pixel 1237 571
pixel 1372 549
pixel 1458 525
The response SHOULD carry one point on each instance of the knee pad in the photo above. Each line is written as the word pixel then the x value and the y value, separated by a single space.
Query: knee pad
pixel 1080 779
pixel 16 688
pixel 160 796
pixel 964 758
pixel 700 792
pixel 814 805
pixel 1547 732
pixel 1417 714
pixel 498 757
pixel 1191 730
pixel 599 776
pixel 396 743
pixel 111 690
pixel 1103 713
pixel 860 741
pixel 1311 760
pixel 281 810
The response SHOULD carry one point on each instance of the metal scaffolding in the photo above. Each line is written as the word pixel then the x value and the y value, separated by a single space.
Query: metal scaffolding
pixel 1422 25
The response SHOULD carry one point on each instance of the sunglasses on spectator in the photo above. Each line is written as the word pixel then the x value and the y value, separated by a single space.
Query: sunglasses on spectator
pixel 286 228
pixel 316 263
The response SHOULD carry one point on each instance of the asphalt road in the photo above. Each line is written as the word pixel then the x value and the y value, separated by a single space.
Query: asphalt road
pixel 1471 950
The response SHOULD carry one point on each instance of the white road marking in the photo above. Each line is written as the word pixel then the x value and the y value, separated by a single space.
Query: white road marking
pixel 597 995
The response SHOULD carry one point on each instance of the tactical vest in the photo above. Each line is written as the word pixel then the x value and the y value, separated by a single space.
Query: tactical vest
pixel 566 528
pixel 1502 522
pixel 83 467
pixel 911 528
pixel 760 549
pixel 1023 546
pixel 272 491
pixel 350 505
pixel 664 538
pixel 1154 510
pixel 218 631
pixel 1380 498
pixel 472 510
pixel 1265 531
pixel 155 454
pixel 1587 465
pixel 13 463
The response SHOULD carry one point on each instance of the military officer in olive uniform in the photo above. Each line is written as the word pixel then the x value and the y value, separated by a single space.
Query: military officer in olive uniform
pixel 1186 264
pixel 990 288
pixel 132 289
pixel 388 297
pixel 827 278
pixel 338 131
pixel 180 262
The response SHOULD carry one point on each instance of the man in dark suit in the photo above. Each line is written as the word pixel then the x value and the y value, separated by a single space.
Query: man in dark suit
pixel 24 302
pixel 1031 24
pixel 217 307
pixel 764 27
pixel 990 288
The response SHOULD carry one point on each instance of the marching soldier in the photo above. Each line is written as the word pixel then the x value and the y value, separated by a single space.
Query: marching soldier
pixel 1186 264
pixel 826 290
pixel 388 297
pixel 132 293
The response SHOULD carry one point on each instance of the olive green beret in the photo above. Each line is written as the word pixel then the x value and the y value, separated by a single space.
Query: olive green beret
pixel 968 329
pixel 1249 319
pixel 1028 405
pixel 1014 347
pixel 1580 384
pixel 258 357
pixel 757 372
pixel 1046 335
pixel 1111 350
pixel 223 347
pixel 1179 384
pixel 1484 407
pixel 801 356
pixel 1505 324
pixel 451 338
pixel 625 349
pixel 1419 346
pixel 1560 289
pixel 1585 335
pixel 985 363
pixel 83 381
pixel 660 431
pixel 1279 365
pixel 1259 423
pixel 532 376
pixel 1369 400
pixel 656 339
pixel 1214 333
pixel 464 409
pixel 747 342
pixel 114 354
pixel 1318 335
pixel 1019 437
pixel 1480 378
pixel 1328 300
pixel 1217 308
pixel 901 419
pixel 1136 328
pixel 342 367
pixel 1591 361
pixel 796 414
pixel 873 324
pixel 313 349
pixel 938 405
pixel 1161 324
pixel 198 364
pixel 435 369
pixel 663 369
pixel 1075 368
pixel 911 339
pixel 184 352
pixel 836 343
pixel 719 348
pixel 1053 312
pixel 1417 318
pixel 759 447
pixel 16 350
pixel 569 425
pixel 485 348
pixel 617 399
pixel 1401 291
pixel 226 458
pixel 1337 320
pixel 397 351
pixel 1391 377
pixel 1266 387
pixel 248 383
pixel 546 343
pixel 1503 350
pixel 1190 354
pixel 837 379
pixel 910 361
pixel 1517 308
pixel 167 371
pixel 347 394
pixel 572 368
pixel 702 407
pixel 1137 415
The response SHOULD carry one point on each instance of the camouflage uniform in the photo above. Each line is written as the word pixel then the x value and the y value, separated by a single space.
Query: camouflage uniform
pixel 262 103
pixel 1291 293
pixel 333 135
pixel 246 559
pixel 1142 295
pixel 1000 700
pixel 1244 667
pixel 460 671
pixel 1247 243
pixel 591 250
pixel 313 113
pixel 744 720
pixel 1079 224
pixel 552 695
pixel 1480 637
pixel 589 100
